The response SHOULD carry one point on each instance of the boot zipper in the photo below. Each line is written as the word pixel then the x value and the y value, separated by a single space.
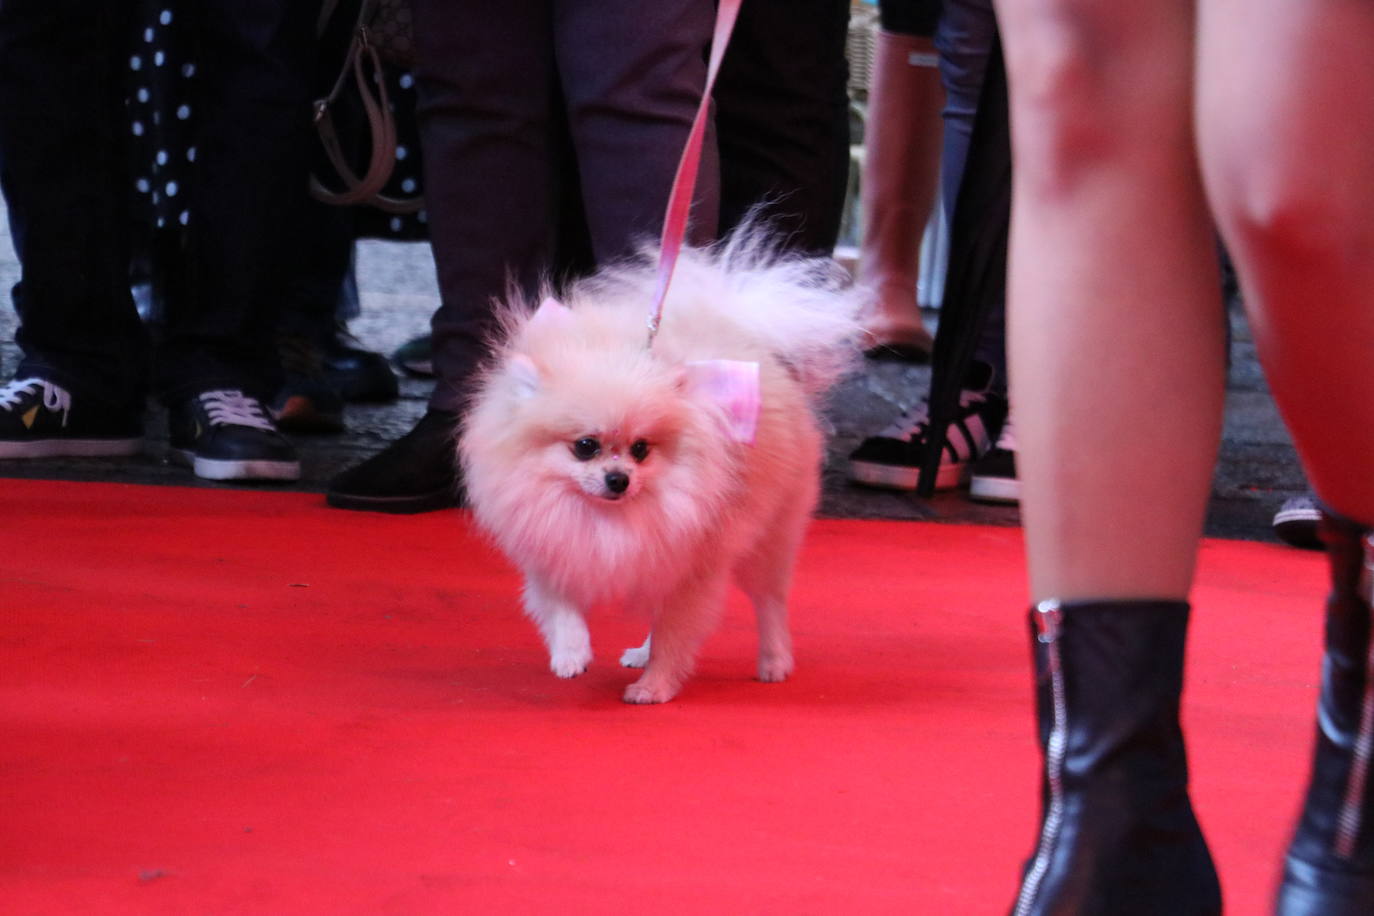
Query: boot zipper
pixel 1352 805
pixel 1049 618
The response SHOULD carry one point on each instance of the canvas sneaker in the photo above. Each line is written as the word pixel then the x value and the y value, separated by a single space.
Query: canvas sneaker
pixel 892 458
pixel 41 419
pixel 226 435
pixel 993 479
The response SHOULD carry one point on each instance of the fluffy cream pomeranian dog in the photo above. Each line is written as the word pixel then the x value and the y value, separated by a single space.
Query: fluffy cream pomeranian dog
pixel 612 470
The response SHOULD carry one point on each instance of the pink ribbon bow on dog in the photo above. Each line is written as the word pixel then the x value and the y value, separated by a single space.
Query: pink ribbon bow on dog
pixel 734 385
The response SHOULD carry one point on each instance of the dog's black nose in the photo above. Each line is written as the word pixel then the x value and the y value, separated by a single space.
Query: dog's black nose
pixel 617 481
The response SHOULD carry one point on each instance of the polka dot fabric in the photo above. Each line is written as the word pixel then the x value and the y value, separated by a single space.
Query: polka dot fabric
pixel 162 109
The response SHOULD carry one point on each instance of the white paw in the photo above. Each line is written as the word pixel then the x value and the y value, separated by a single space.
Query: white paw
pixel 644 691
pixel 570 664
pixel 775 668
pixel 637 657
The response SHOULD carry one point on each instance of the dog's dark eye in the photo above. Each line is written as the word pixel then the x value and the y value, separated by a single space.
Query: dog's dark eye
pixel 586 449
pixel 639 450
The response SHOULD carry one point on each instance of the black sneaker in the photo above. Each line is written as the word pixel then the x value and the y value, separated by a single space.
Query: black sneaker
pixel 416 473
pixel 227 435
pixel 892 458
pixel 39 419
pixel 994 475
pixel 1296 523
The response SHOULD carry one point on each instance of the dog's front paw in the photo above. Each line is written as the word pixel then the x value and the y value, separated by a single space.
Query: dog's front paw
pixel 645 691
pixel 775 668
pixel 569 663
pixel 637 657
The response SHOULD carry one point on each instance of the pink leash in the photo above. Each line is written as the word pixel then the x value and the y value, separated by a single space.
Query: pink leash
pixel 685 181
pixel 732 385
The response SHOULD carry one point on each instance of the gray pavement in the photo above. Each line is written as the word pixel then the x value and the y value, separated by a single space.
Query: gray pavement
pixel 1257 470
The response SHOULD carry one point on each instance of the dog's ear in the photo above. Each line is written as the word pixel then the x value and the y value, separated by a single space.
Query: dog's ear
pixel 524 373
pixel 551 313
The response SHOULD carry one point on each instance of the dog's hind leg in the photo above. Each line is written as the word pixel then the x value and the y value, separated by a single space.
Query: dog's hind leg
pixel 563 627
pixel 775 661
pixel 681 624
pixel 765 575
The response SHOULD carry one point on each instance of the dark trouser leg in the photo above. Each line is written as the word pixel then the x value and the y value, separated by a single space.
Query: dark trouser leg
pixel 308 275
pixel 782 113
pixel 631 78
pixel 64 175
pixel 485 83
pixel 632 75
pixel 255 60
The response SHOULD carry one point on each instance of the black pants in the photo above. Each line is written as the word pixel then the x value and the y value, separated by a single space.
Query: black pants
pixel 499 82
pixel 782 114
pixel 67 182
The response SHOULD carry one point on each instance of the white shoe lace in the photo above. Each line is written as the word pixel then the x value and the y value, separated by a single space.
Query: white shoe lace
pixel 55 397
pixel 234 408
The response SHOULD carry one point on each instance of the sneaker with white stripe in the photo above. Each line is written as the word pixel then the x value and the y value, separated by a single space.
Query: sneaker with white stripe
pixel 1298 522
pixel 994 477
pixel 892 458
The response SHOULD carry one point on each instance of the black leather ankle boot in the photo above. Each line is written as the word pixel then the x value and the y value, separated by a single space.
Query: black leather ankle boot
pixel 1117 836
pixel 1329 869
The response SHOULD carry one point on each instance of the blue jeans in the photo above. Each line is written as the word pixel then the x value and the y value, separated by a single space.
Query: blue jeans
pixel 964 39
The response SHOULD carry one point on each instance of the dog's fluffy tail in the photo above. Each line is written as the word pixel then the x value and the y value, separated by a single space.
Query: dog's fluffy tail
pixel 803 309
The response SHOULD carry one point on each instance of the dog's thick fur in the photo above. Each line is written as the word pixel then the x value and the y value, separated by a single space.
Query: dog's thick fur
pixel 671 505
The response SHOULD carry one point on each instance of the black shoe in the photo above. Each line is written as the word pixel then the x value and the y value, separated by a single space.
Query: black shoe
pixel 415 356
pixel 40 419
pixel 1329 869
pixel 892 458
pixel 1118 836
pixel 227 435
pixel 416 473
pixel 306 402
pixel 359 376
pixel 1296 523
pixel 993 479
pixel 305 405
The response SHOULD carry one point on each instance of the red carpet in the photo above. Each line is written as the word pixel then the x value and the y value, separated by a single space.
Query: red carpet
pixel 244 702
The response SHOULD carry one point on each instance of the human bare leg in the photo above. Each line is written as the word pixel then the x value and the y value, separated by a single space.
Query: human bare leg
pixel 1117 360
pixel 902 161
pixel 1288 160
